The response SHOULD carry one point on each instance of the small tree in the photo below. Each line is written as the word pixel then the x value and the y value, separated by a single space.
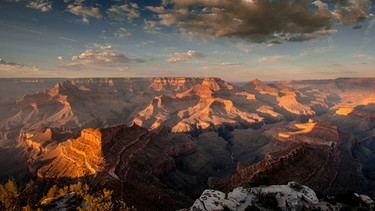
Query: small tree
pixel 100 202
pixel 9 195
pixel 52 192
pixel 3 197
pixel 30 194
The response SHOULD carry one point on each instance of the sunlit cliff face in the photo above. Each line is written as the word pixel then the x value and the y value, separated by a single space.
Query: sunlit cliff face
pixel 73 158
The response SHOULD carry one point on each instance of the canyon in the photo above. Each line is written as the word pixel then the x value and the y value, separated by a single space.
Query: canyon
pixel 158 143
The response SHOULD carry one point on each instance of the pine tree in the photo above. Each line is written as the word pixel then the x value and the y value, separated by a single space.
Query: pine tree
pixel 30 194
pixel 52 192
pixel 9 195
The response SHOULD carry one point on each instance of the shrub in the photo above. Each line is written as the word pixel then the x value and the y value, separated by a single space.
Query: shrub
pixel 252 208
pixel 348 197
pixel 269 201
pixel 261 180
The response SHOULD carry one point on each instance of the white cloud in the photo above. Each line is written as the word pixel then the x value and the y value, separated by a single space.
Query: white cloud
pixel 122 32
pixel 96 58
pixel 85 12
pixel 230 64
pixel 42 5
pixel 105 55
pixel 305 36
pixel 184 56
pixel 275 58
pixel 274 43
pixel 124 12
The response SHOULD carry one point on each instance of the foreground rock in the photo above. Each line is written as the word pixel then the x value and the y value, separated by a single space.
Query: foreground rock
pixel 292 196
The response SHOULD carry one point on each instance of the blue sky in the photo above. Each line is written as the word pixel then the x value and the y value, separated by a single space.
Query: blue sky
pixel 236 40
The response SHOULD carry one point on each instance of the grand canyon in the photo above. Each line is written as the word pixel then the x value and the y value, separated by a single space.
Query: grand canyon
pixel 195 105
pixel 158 143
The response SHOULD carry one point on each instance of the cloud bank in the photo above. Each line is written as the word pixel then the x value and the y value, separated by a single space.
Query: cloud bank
pixel 104 56
pixel 275 58
pixel 15 68
pixel 260 21
pixel 184 56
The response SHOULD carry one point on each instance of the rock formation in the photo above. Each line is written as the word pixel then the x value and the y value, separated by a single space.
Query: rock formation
pixel 126 159
pixel 292 196
pixel 190 133
pixel 181 104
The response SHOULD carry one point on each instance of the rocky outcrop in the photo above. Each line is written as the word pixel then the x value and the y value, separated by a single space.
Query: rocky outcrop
pixel 292 196
pixel 319 133
pixel 284 197
pixel 314 144
pixel 113 151
pixel 73 158
pixel 320 158
pixel 126 159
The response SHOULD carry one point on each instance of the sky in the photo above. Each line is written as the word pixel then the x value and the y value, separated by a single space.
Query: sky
pixel 236 40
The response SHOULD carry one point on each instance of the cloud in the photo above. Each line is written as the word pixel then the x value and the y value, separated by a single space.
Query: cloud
pixel 275 58
pixel 315 51
pixel 352 11
pixel 184 56
pixel 243 46
pixel 151 27
pixel 11 67
pixel 42 5
pixel 124 12
pixel 106 55
pixel 274 43
pixel 230 64
pixel 364 56
pixel 21 28
pixel 85 12
pixel 96 58
pixel 122 32
pixel 306 36
pixel 68 39
pixel 259 21
pixel 170 48
pixel 10 64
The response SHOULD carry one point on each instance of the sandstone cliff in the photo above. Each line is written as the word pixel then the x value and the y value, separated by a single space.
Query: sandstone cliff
pixel 181 104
